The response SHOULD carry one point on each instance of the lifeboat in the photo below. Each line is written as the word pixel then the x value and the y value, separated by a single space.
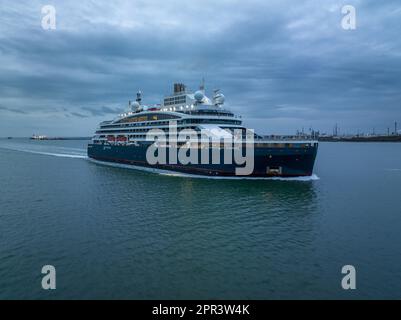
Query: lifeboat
pixel 122 139
pixel 111 138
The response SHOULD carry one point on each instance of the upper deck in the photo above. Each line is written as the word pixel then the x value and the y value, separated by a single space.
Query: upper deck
pixel 184 110
pixel 182 106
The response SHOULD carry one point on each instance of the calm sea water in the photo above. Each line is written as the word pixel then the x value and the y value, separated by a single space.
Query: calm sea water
pixel 119 233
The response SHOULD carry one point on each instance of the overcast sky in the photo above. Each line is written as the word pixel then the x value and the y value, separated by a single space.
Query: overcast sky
pixel 282 65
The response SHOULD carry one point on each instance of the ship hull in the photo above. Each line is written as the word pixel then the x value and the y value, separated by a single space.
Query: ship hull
pixel 268 162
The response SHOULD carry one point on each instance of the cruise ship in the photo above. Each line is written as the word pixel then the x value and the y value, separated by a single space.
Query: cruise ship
pixel 189 133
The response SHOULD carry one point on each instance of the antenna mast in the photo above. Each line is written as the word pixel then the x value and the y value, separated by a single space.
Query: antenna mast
pixel 202 86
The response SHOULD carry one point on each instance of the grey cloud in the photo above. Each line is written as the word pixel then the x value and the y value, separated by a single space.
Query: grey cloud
pixel 79 115
pixel 13 110
pixel 263 55
pixel 101 111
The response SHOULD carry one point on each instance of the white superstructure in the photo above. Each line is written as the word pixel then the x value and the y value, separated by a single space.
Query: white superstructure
pixel 187 110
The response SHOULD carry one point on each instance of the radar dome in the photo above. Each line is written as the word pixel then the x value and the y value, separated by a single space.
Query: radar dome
pixel 219 98
pixel 199 96
pixel 135 105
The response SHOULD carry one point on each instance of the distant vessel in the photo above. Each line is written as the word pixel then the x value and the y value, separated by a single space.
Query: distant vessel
pixel 127 139
pixel 38 137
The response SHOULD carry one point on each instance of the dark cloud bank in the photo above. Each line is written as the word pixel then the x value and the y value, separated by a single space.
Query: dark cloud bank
pixel 282 65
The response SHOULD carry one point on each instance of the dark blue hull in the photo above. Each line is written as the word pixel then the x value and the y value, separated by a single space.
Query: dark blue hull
pixel 285 161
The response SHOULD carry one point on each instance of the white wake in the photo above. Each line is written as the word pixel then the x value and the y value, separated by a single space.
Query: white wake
pixel 53 154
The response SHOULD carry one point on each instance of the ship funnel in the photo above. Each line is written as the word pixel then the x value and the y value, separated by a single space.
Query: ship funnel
pixel 179 88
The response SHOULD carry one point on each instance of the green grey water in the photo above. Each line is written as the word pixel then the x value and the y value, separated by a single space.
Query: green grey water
pixel 120 233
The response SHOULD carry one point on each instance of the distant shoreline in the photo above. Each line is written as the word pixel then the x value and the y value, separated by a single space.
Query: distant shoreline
pixel 48 138
pixel 362 139
pixel 62 138
pixel 320 139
